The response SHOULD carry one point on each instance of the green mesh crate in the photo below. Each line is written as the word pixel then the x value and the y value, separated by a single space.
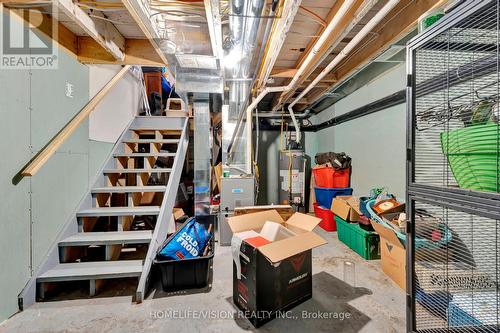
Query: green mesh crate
pixel 473 156
pixel 365 243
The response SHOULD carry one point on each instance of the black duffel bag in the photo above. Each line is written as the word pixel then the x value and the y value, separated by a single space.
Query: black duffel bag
pixel 337 160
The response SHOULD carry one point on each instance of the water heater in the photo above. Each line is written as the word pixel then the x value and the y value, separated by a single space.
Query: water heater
pixel 292 168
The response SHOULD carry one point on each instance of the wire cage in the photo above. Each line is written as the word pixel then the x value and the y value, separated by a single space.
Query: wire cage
pixel 456 285
pixel 457 134
pixel 453 168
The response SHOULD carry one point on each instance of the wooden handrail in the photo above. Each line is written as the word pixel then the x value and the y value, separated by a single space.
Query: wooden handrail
pixel 43 155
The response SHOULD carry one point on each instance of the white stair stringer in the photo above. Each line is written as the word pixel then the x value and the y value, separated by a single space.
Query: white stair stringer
pixel 164 218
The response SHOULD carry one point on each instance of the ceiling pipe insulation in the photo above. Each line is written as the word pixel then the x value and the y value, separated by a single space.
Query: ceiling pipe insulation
pixel 342 55
pixel 360 13
pixel 346 6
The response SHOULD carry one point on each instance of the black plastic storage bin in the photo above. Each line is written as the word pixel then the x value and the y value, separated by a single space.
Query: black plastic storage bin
pixel 186 273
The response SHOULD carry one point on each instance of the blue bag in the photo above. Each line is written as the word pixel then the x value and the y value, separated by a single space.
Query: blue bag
pixel 187 243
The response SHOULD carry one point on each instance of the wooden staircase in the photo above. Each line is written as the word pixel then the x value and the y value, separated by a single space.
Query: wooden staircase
pixel 128 208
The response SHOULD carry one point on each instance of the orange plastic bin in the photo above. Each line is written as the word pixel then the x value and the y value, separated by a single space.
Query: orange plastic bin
pixel 331 178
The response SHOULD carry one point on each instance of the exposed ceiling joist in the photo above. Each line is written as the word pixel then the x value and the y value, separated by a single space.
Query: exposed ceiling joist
pixel 329 78
pixel 137 52
pixel 279 31
pixel 66 39
pixel 319 85
pixel 345 25
pixel 87 50
pixel 103 32
pixel 283 72
pixel 142 19
pixel 401 21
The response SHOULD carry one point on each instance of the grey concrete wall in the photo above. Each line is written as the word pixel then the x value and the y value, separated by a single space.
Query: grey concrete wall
pixel 33 108
pixel 375 142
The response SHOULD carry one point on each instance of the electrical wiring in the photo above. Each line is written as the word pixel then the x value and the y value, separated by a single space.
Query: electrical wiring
pixel 313 15
pixel 298 33
pixel 194 9
pixel 176 14
pixel 186 4
pixel 101 3
pixel 181 2
pixel 105 19
pixel 116 9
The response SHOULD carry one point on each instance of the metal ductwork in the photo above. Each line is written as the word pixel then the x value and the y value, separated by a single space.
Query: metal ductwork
pixel 246 28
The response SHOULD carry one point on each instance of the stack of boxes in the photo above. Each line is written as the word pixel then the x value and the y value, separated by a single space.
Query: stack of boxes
pixel 329 183
pixel 340 211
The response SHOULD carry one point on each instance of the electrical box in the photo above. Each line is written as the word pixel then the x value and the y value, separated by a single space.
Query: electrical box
pixel 235 192
pixel 292 167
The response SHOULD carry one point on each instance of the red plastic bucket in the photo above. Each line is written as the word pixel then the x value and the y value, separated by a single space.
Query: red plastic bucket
pixel 327 218
pixel 331 178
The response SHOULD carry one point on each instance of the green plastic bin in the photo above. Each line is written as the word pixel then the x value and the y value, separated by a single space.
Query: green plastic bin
pixel 474 156
pixel 365 243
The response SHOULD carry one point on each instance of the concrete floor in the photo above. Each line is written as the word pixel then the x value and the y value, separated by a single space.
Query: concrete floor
pixel 374 304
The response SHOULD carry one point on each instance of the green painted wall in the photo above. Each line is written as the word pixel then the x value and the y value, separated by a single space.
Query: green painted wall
pixel 375 142
pixel 33 108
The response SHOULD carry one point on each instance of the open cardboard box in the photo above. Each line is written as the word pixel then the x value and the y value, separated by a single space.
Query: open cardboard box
pixel 299 223
pixel 276 276
pixel 286 211
pixel 345 207
pixel 392 253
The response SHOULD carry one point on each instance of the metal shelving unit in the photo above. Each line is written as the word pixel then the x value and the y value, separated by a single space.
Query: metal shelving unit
pixel 453 172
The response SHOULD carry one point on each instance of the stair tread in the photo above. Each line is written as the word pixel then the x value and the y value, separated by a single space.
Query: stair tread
pixel 92 270
pixel 128 189
pixel 151 141
pixel 108 237
pixel 119 211
pixel 143 154
pixel 137 170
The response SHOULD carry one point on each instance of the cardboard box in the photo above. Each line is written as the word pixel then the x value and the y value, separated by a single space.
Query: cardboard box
pixel 392 254
pixel 388 206
pixel 275 276
pixel 175 224
pixel 285 211
pixel 342 208
pixel 178 213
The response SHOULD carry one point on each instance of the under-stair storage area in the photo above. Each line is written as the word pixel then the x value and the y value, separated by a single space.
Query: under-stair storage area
pixel 250 166
pixel 118 225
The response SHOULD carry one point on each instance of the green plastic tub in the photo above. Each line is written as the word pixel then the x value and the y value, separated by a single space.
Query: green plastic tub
pixel 473 156
pixel 365 243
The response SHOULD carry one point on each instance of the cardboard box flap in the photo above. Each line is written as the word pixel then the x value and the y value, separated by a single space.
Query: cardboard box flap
pixel 178 213
pixel 286 248
pixel 387 233
pixel 303 221
pixel 261 207
pixel 354 203
pixel 253 221
pixel 341 207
